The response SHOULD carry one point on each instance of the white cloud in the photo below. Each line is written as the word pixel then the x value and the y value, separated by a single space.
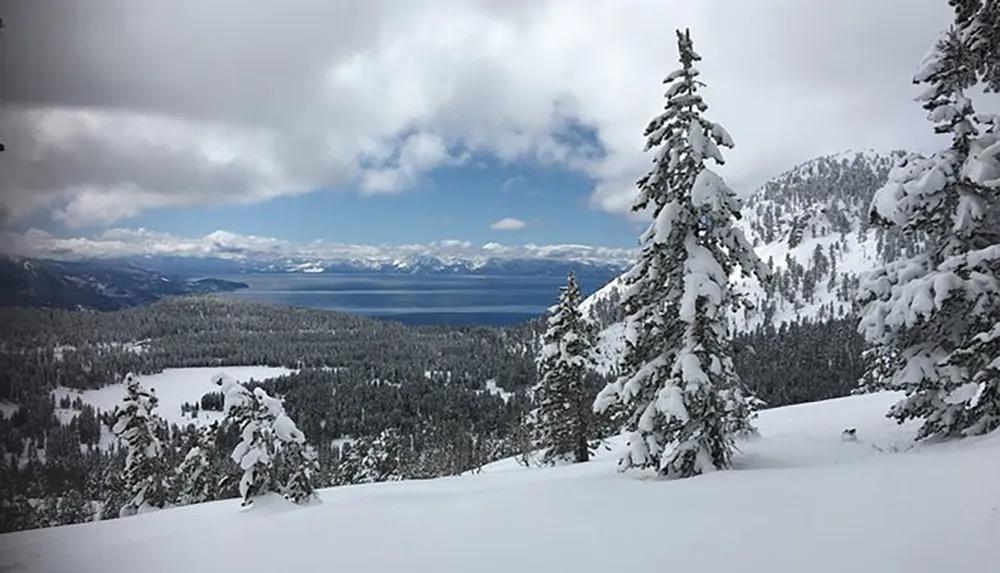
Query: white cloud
pixel 508 224
pixel 121 242
pixel 512 182
pixel 288 97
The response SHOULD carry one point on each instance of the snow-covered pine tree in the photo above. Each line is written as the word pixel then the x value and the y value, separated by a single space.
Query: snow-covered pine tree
pixel 199 476
pixel 937 312
pixel 294 456
pixel 880 363
pixel 72 508
pixel 372 459
pixel 146 478
pixel 303 469
pixel 678 394
pixel 977 24
pixel 564 417
pixel 271 446
pixel 256 450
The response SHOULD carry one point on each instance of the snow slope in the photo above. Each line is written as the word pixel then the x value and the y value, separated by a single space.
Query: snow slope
pixel 801 500
pixel 174 386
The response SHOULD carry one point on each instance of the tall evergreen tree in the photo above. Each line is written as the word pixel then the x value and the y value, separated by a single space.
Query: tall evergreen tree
pixel 146 479
pixel 934 316
pixel 564 417
pixel 680 397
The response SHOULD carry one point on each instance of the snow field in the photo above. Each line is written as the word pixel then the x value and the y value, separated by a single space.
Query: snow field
pixel 174 386
pixel 800 500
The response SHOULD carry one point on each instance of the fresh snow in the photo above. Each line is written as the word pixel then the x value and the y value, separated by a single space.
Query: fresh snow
pixel 495 390
pixel 7 409
pixel 800 499
pixel 610 347
pixel 174 386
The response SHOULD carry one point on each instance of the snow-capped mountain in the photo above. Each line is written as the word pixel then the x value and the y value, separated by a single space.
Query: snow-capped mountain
pixel 810 223
pixel 417 264
pixel 223 252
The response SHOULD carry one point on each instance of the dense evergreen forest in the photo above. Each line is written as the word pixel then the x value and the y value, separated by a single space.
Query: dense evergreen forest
pixel 361 385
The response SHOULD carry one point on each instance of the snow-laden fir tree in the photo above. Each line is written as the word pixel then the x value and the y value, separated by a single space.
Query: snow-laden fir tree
pixel 977 25
pixel 199 475
pixel 254 454
pixel 372 459
pixel 303 471
pixel 296 459
pixel 678 394
pixel 563 419
pixel 937 314
pixel 146 478
pixel 271 445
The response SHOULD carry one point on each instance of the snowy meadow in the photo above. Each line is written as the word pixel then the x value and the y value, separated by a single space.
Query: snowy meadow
pixel 173 387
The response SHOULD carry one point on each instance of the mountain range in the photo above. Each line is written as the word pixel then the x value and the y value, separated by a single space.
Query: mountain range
pixel 223 252
pixel 809 223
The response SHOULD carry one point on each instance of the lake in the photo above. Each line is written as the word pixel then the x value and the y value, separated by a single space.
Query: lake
pixel 416 299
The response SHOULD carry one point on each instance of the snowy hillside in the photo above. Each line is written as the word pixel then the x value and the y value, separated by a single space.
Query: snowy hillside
pixel 810 224
pixel 800 500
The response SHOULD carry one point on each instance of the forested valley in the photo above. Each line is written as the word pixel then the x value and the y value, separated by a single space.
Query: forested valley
pixel 379 400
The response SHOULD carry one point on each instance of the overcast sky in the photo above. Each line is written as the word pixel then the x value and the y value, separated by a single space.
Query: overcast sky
pixel 113 108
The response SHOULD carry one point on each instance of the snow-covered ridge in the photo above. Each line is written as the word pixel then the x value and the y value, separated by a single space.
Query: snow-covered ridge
pixel 810 223
pixel 599 295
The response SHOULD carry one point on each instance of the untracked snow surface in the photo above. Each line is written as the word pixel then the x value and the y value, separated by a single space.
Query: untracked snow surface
pixel 801 500
pixel 174 387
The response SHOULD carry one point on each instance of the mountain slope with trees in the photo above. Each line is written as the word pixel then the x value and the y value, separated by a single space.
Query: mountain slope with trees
pixel 810 226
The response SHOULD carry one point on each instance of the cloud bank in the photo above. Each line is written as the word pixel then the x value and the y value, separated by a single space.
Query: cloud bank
pixel 145 104
pixel 122 242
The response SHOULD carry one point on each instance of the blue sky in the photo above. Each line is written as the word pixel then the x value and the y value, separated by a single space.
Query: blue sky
pixel 459 202
pixel 173 117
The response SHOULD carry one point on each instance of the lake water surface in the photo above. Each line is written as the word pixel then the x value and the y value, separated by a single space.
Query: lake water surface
pixel 416 299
